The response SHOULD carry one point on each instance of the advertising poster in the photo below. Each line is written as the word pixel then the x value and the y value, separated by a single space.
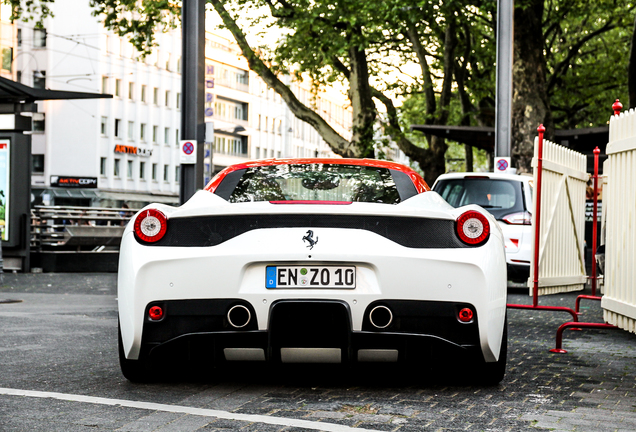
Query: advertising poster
pixel 4 188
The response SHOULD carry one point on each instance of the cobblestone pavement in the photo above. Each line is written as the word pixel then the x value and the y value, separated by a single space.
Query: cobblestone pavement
pixel 62 338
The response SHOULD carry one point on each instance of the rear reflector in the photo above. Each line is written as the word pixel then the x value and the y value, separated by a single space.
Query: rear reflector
pixel 155 313
pixel 465 315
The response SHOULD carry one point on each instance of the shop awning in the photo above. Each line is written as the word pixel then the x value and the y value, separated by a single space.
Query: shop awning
pixel 130 196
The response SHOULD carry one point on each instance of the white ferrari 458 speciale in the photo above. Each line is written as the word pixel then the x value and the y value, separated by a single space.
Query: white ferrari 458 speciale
pixel 313 261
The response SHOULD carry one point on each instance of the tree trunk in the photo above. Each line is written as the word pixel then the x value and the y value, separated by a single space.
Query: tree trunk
pixel 631 75
pixel 530 104
pixel 362 104
pixel 469 157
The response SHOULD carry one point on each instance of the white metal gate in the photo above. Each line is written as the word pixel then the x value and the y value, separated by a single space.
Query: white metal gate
pixel 619 213
pixel 561 240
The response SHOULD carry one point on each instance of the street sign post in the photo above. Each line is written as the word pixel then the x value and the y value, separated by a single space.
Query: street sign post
pixel 188 152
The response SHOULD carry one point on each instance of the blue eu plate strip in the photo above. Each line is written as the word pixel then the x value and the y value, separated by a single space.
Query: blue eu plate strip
pixel 270 277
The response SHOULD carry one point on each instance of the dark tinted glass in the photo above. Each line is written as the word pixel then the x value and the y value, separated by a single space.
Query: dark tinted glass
pixel 499 197
pixel 316 182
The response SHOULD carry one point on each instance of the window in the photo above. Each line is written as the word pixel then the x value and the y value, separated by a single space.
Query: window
pixel 154 172
pixel 177 173
pixel 37 164
pixel 165 172
pixel 116 168
pixel 104 84
pixel 7 58
pixel 104 126
pixel 117 128
pixel 130 169
pixel 38 122
pixel 39 79
pixel 155 96
pixel 39 38
pixel 500 197
pixel 131 132
pixel 168 98
pixel 117 87
pixel 297 182
pixel 155 134
pixel 142 131
pixel 178 103
pixel 143 93
pixel 131 90
pixel 102 166
pixel 142 170
pixel 166 136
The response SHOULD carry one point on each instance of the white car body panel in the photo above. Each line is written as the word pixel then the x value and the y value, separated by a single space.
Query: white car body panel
pixel 385 269
pixel 517 238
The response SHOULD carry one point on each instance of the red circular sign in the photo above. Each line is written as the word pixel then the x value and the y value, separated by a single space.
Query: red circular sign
pixel 502 165
pixel 188 148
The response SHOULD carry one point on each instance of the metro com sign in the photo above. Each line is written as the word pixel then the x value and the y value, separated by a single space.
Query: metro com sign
pixel 133 150
pixel 74 182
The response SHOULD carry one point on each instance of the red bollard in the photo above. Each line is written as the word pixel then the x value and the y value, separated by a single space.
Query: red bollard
pixel 559 338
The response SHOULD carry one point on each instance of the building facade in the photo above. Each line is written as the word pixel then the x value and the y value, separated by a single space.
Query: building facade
pixel 107 152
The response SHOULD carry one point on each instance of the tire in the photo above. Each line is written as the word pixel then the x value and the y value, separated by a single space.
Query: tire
pixel 133 370
pixel 493 373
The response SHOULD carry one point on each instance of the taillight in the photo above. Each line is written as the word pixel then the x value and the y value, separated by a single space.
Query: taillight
pixel 151 225
pixel 521 218
pixel 473 228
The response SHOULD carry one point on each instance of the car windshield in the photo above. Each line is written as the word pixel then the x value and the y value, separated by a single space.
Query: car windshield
pixel 500 197
pixel 316 182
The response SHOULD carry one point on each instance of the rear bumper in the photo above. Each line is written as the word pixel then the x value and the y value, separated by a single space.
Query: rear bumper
pixel 518 272
pixel 311 331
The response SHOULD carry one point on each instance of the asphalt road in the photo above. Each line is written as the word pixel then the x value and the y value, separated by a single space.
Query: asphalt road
pixel 59 372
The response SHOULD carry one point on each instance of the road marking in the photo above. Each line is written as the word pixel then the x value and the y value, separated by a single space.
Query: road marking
pixel 252 418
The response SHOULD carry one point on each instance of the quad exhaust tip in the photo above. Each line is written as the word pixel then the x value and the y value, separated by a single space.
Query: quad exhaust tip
pixel 239 316
pixel 381 317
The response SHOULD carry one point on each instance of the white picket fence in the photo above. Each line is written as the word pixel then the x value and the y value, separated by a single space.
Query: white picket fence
pixel 619 213
pixel 562 227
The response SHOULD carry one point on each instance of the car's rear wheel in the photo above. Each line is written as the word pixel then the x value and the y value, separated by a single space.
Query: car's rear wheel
pixel 133 370
pixel 493 373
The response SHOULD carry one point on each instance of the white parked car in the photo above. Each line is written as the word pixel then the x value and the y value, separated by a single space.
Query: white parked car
pixel 314 261
pixel 509 198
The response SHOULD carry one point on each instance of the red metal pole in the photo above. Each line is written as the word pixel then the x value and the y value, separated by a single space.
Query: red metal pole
pixel 594 219
pixel 537 220
pixel 559 337
pixel 581 297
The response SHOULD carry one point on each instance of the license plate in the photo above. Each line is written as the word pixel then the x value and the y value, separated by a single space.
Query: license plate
pixel 310 277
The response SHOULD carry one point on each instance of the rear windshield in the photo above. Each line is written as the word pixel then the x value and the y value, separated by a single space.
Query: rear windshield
pixel 500 197
pixel 316 182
